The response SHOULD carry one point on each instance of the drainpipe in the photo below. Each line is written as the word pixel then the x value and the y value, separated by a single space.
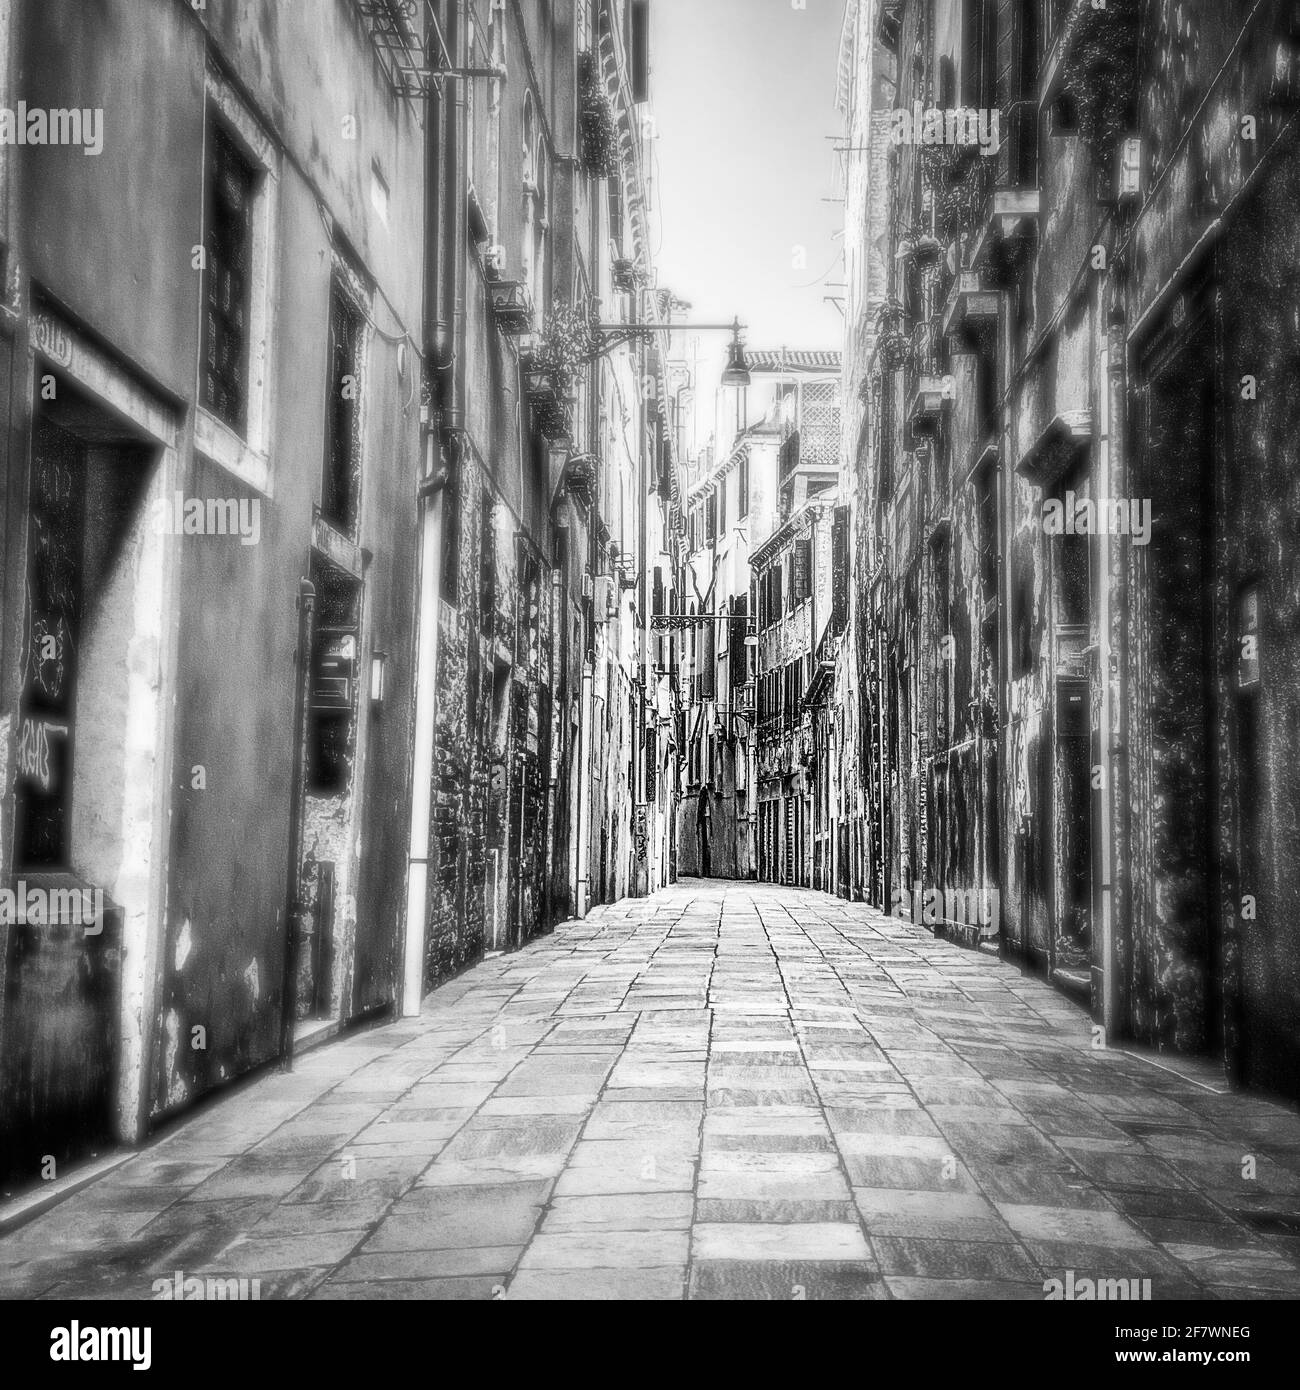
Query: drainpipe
pixel 1114 388
pixel 884 831
pixel 1006 521
pixel 458 213
pixel 440 350
pixel 584 793
pixel 558 664
pixel 426 691
pixel 1103 965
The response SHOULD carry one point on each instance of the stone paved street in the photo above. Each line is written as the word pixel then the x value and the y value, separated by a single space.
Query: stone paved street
pixel 726 1091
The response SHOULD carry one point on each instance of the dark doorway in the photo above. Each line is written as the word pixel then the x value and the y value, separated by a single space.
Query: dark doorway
pixel 1177 986
pixel 704 823
pixel 87 524
pixel 330 787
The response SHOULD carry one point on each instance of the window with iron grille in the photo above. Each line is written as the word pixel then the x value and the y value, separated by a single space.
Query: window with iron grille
pixel 341 492
pixel 819 424
pixel 615 191
pixel 801 571
pixel 230 189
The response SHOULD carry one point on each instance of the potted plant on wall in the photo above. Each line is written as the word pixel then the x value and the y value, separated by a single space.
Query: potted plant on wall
pixel 554 367
pixel 600 154
pixel 1100 70
pixel 893 347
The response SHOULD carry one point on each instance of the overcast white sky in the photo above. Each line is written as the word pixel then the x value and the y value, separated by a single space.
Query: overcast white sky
pixel 744 99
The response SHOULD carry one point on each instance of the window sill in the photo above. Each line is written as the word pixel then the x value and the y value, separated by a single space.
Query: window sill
pixel 216 441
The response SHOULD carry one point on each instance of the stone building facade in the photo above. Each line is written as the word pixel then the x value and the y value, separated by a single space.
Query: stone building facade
pixel 1073 492
pixel 550 514
pixel 716 828
pixel 337 493
pixel 211 350
pixel 800 579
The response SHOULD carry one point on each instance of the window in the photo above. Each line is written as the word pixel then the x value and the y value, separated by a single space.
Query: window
pixel 943 642
pixel 979 52
pixel 341 490
pixel 1072 565
pixel 709 664
pixel 639 49
pixel 1017 161
pixel 233 372
pixel 742 506
pixel 615 187
pixel 227 279
pixel 801 572
pixel 736 649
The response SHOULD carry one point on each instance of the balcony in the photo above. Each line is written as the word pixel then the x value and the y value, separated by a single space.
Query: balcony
pixel 931 398
pixel 552 412
pixel 1012 215
pixel 581 478
pixel 397 30
pixel 512 307
pixel 970 306
pixel 890 23
pixel 1090 78
pixel 625 570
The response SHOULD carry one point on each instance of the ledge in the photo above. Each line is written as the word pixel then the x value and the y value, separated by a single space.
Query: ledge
pixel 218 443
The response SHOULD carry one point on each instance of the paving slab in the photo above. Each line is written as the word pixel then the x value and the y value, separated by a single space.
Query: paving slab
pixel 726 1091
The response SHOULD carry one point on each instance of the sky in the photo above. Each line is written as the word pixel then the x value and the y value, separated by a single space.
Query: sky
pixel 743 95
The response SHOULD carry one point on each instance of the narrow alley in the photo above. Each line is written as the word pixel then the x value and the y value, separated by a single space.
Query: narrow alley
pixel 726 1091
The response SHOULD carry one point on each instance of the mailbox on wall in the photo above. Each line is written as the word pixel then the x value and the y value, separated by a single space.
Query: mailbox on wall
pixel 1073 708
pixel 334 673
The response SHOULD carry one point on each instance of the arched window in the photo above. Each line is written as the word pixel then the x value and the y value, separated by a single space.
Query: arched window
pixel 528 248
pixel 530 139
pixel 540 225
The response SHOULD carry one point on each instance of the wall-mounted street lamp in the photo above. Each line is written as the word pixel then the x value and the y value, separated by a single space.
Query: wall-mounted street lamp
pixel 737 373
pixel 615 335
pixel 378 678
